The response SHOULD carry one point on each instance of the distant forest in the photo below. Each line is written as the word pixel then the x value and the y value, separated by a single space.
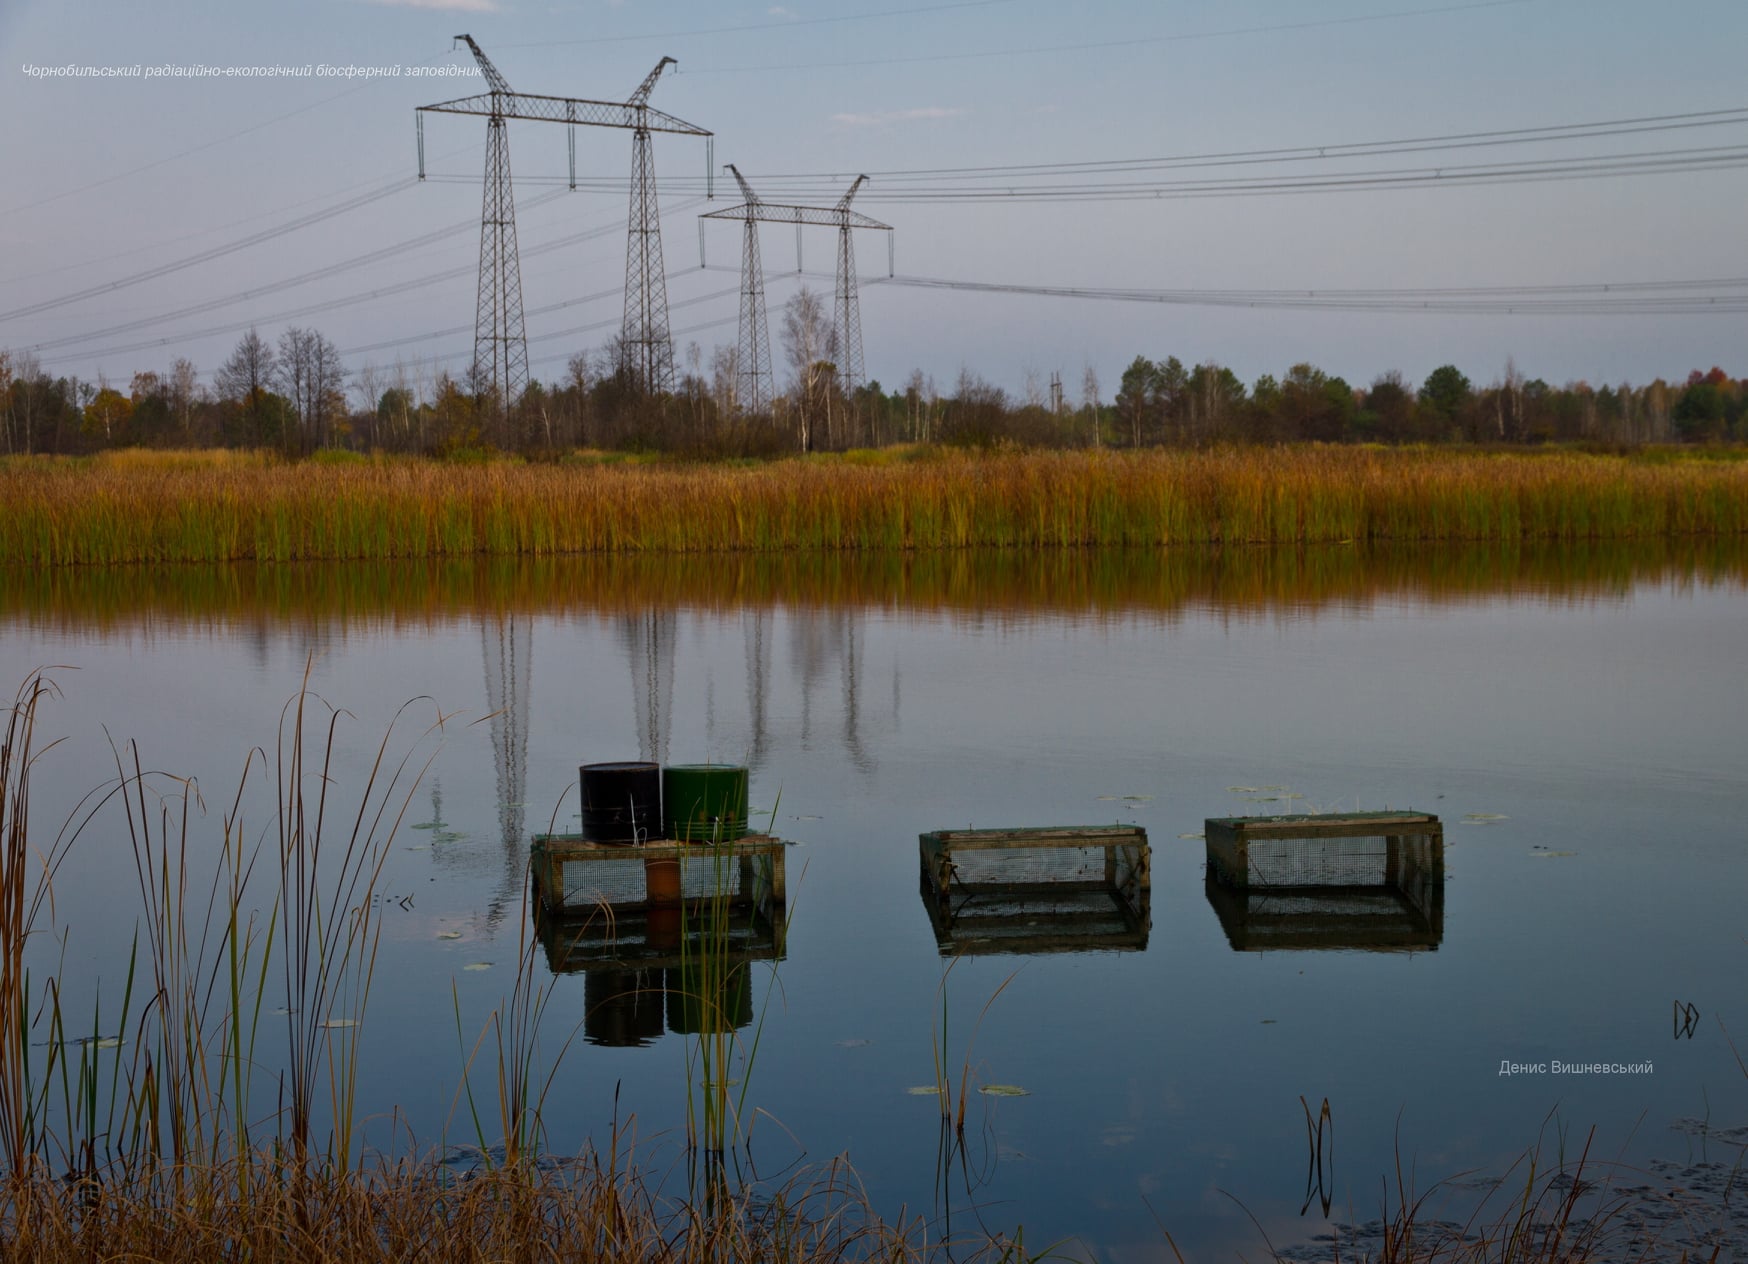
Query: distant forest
pixel 297 396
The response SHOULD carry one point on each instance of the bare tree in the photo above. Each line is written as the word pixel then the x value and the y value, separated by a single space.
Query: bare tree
pixel 1089 400
pixel 725 379
pixel 6 422
pixel 314 380
pixel 246 376
pixel 183 391
pixel 29 385
pixel 811 343
pixel 913 404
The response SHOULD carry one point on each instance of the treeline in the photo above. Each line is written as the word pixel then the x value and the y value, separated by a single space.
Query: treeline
pixel 297 396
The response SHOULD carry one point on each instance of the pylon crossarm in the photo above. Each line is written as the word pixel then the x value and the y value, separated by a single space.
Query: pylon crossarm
pixel 778 213
pixel 641 96
pixel 497 81
pixel 525 105
pixel 746 190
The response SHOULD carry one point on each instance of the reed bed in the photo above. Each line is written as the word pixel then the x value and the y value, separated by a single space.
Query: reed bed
pixel 581 1211
pixel 133 508
pixel 173 1132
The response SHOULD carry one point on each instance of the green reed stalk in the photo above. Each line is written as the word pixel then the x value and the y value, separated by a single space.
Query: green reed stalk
pixel 330 933
pixel 26 890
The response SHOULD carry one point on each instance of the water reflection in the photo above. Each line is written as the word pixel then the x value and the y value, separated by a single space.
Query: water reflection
pixel 247 600
pixel 1287 888
pixel 649 638
pixel 648 971
pixel 507 645
pixel 1037 891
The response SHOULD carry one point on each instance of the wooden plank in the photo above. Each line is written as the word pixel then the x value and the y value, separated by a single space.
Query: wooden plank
pixel 1049 836
pixel 753 868
pixel 1312 825
pixel 576 847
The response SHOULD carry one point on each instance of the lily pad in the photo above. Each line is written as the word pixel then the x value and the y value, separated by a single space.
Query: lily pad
pixel 1196 835
pixel 924 1090
pixel 1544 854
pixel 477 965
pixel 336 1024
pixel 1483 818
pixel 1244 789
pixel 449 934
pixel 1005 1090
pixel 101 1042
pixel 424 825
pixel 1138 798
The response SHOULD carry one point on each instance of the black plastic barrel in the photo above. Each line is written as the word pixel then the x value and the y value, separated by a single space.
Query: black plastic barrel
pixel 705 803
pixel 622 1008
pixel 622 802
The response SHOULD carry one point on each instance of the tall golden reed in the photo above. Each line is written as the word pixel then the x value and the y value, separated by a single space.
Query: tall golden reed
pixel 129 508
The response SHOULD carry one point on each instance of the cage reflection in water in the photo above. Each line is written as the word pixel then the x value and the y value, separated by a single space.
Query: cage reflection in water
pixel 1059 889
pixel 1364 880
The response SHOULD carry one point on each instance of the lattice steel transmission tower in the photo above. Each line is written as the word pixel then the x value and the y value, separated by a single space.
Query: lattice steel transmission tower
pixel 500 343
pixel 846 305
pixel 753 369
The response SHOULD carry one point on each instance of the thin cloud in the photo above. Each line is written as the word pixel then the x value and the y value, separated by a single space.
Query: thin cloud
pixel 452 6
pixel 882 117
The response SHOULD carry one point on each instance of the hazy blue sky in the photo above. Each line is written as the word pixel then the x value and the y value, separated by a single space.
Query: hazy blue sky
pixel 104 179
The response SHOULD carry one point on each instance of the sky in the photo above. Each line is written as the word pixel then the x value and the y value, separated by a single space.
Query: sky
pixel 974 120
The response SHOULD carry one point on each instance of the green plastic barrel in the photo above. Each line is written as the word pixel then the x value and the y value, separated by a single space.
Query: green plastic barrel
pixel 709 998
pixel 705 803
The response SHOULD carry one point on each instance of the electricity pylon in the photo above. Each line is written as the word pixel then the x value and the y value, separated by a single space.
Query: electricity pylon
pixel 753 373
pixel 500 344
pixel 846 306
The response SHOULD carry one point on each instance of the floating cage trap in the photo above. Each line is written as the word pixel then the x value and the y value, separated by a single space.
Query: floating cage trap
pixel 1066 889
pixel 1363 880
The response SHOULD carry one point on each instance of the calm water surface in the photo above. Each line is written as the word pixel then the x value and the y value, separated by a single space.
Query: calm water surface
pixel 1586 711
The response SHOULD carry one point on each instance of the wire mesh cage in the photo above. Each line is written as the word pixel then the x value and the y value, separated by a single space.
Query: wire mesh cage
pixel 1364 880
pixel 1064 889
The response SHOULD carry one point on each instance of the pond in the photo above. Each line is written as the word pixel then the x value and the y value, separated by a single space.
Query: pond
pixel 1576 717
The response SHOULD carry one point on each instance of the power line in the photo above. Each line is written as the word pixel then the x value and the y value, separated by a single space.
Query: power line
pixel 317 274
pixel 314 309
pixel 1308 173
pixel 1703 297
pixel 1348 149
pixel 205 232
pixel 216 252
